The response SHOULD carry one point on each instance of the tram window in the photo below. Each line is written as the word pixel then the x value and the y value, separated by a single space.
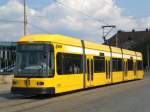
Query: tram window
pixel 88 69
pixel 99 64
pixel 51 62
pixel 139 65
pixel 119 64
pixel 69 63
pixel 130 64
pixel 116 64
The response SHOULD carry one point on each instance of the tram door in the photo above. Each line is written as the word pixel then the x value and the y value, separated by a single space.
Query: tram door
pixel 125 70
pixel 135 70
pixel 108 71
pixel 90 71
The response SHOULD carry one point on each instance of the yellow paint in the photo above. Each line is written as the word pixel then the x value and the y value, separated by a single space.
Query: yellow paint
pixel 117 77
pixel 99 79
pixel 130 75
pixel 140 74
pixel 64 83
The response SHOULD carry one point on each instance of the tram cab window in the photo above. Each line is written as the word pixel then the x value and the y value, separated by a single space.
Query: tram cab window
pixel 99 64
pixel 69 63
pixel 32 60
pixel 116 64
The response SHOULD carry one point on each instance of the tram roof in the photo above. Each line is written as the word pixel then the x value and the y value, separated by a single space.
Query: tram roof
pixel 51 38
pixel 62 39
pixel 57 38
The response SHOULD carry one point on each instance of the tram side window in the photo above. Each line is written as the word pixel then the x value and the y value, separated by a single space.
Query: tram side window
pixel 69 63
pixel 130 64
pixel 139 65
pixel 99 64
pixel 116 64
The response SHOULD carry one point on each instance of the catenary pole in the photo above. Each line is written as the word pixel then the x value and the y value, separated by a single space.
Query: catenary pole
pixel 25 18
pixel 148 56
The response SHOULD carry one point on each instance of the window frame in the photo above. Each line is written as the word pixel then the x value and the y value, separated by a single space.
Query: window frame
pixel 100 59
pixel 118 62
pixel 60 63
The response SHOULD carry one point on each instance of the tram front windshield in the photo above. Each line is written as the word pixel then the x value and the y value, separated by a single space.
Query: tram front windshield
pixel 32 60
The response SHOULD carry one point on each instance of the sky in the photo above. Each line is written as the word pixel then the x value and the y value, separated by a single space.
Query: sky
pixel 78 18
pixel 135 8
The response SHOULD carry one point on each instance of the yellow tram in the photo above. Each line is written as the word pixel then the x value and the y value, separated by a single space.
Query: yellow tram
pixel 51 64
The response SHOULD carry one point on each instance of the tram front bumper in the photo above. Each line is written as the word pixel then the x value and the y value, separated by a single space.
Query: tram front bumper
pixel 32 91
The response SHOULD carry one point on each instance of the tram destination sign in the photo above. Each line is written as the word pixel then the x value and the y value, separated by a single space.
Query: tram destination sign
pixel 30 47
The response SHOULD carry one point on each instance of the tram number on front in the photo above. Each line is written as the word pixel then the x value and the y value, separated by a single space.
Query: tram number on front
pixel 58 46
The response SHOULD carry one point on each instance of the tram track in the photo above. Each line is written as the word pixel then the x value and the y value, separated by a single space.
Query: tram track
pixel 12 104
pixel 62 101
pixel 31 103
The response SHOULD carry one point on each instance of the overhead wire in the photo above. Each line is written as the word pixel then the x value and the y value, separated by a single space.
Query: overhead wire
pixel 8 20
pixel 57 2
pixel 81 12
pixel 18 21
pixel 65 6
pixel 39 28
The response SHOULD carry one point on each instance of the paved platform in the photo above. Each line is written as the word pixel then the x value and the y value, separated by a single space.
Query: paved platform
pixel 6 79
pixel 125 97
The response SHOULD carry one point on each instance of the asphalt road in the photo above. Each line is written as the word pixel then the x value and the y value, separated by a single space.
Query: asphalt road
pixel 125 97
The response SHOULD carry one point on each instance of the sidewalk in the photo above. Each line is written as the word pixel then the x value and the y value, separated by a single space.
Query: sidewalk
pixel 6 79
pixel 4 87
pixel 5 82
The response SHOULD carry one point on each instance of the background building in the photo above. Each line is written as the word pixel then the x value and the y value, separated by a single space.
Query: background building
pixel 7 57
pixel 134 40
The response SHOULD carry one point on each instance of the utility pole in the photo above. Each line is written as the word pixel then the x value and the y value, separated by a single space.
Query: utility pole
pixel 117 39
pixel 148 56
pixel 25 18
pixel 105 34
